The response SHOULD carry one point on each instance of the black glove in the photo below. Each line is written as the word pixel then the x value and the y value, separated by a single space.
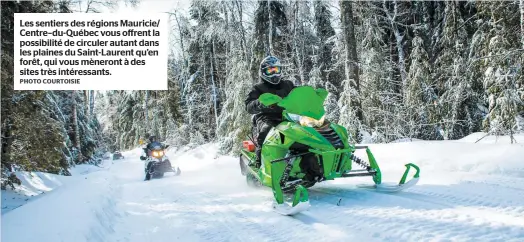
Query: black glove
pixel 255 107
pixel 142 157
pixel 273 109
pixel 261 108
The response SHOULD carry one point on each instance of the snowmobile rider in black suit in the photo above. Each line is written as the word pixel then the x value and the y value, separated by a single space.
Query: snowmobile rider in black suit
pixel 152 140
pixel 270 74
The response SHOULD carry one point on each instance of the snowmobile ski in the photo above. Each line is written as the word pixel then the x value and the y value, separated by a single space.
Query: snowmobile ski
pixel 287 210
pixel 402 185
pixel 390 188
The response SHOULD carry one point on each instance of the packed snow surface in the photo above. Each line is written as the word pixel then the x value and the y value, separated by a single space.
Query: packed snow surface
pixel 36 184
pixel 467 192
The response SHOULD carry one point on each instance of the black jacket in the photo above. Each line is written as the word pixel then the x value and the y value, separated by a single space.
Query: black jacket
pixel 261 112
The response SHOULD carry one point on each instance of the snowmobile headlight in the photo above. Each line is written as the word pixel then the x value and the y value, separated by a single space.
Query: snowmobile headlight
pixel 158 154
pixel 311 122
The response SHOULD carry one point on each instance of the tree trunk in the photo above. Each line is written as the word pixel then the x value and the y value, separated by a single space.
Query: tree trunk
pixel 398 42
pixel 351 62
pixel 91 103
pixel 522 22
pixel 213 86
pixel 270 30
pixel 86 96
pixel 299 58
pixel 303 75
pixel 181 42
pixel 74 126
pixel 146 112
pixel 7 138
pixel 243 39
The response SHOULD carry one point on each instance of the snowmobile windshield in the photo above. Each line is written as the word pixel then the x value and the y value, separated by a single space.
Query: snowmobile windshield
pixel 156 146
pixel 305 101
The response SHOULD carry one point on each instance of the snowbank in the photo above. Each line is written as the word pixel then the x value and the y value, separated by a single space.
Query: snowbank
pixel 482 138
pixel 478 137
pixel 491 157
pixel 195 159
pixel 405 140
pixel 36 184
pixel 81 210
pixel 33 185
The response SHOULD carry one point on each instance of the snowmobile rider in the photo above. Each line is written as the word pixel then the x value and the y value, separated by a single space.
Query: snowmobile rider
pixel 270 74
pixel 152 142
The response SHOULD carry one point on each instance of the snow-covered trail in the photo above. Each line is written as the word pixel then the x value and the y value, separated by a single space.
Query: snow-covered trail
pixel 467 192
pixel 209 202
pixel 469 200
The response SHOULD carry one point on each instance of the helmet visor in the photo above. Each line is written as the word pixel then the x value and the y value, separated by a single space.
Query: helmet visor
pixel 272 70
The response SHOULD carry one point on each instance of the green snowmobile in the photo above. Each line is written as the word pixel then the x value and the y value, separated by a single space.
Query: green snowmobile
pixel 305 149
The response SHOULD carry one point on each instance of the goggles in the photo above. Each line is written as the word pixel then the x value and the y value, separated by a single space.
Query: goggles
pixel 272 70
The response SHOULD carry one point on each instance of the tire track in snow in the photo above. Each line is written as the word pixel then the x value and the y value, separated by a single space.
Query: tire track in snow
pixel 347 214
pixel 214 216
pixel 420 222
pixel 313 227
pixel 261 224
pixel 211 218
pixel 175 208
pixel 504 200
pixel 367 219
pixel 147 215
pixel 513 183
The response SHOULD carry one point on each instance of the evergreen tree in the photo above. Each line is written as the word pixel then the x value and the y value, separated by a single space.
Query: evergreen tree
pixel 326 73
pixel 350 100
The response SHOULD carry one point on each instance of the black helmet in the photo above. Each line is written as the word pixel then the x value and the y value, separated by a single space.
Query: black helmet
pixel 152 138
pixel 270 70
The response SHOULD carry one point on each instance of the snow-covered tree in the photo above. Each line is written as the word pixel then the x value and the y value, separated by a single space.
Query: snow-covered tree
pixel 351 114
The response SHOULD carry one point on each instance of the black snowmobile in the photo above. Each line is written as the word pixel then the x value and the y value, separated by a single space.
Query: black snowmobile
pixel 156 161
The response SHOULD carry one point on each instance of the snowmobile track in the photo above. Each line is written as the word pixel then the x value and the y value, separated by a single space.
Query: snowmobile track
pixel 450 216
pixel 224 218
pixel 354 214
pixel 252 229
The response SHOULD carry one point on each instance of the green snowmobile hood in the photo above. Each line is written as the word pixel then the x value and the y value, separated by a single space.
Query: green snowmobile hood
pixel 303 100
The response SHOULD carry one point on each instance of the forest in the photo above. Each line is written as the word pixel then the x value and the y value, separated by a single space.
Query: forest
pixel 429 70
